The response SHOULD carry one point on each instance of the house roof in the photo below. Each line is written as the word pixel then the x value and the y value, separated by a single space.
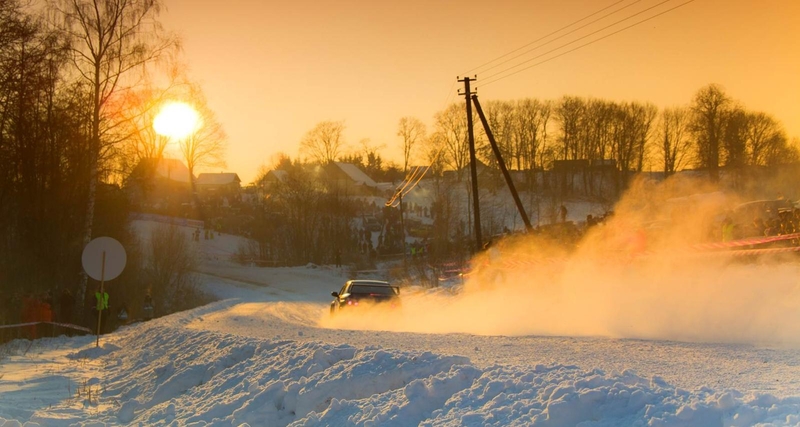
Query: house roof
pixel 221 178
pixel 172 169
pixel 276 175
pixel 357 175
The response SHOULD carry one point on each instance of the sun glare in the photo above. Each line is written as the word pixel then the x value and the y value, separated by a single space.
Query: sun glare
pixel 176 120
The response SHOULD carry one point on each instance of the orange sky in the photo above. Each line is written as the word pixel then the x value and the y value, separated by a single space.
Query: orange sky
pixel 273 69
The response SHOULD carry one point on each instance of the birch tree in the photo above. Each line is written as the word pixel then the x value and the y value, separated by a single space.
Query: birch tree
pixel 111 43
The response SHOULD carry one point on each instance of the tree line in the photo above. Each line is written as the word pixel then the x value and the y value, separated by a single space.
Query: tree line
pixel 80 82
pixel 710 133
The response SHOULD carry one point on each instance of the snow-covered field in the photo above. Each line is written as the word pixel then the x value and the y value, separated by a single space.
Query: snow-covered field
pixel 268 354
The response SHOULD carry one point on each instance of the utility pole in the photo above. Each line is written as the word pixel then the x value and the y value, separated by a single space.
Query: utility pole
pixel 473 165
pixel 502 165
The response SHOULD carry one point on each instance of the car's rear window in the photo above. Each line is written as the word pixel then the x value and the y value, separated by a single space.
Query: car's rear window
pixel 375 290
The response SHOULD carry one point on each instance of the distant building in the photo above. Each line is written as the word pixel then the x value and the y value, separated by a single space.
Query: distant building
pixel 159 186
pixel 349 177
pixel 226 185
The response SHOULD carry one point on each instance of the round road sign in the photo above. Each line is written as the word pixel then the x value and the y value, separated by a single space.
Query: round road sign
pixel 93 258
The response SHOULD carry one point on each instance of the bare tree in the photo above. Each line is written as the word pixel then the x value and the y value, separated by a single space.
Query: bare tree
pixel 533 117
pixel 139 140
pixel 570 113
pixel 111 41
pixel 501 116
pixel 434 155
pixel 708 120
pixel 451 132
pixel 412 131
pixel 765 138
pixel 734 139
pixel 169 266
pixel 324 143
pixel 675 143
pixel 206 145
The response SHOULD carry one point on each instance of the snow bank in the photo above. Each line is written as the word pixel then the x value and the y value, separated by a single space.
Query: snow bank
pixel 161 373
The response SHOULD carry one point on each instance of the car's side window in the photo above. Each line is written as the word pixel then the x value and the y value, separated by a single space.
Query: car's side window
pixel 344 289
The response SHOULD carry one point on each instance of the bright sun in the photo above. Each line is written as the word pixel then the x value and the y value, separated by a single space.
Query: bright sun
pixel 176 120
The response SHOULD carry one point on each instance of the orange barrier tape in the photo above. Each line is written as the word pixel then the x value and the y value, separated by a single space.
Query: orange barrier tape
pixel 745 242
pixel 65 325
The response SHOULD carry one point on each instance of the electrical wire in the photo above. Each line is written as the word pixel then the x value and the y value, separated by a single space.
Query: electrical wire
pixel 405 189
pixel 580 38
pixel 491 79
pixel 559 37
pixel 401 191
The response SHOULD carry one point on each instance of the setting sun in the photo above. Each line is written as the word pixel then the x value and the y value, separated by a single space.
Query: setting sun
pixel 176 120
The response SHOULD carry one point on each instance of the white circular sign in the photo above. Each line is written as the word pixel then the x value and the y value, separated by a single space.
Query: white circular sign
pixel 115 258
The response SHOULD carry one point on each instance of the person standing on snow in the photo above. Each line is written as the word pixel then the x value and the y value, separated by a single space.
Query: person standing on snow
pixel 727 229
pixel 102 308
pixel 148 308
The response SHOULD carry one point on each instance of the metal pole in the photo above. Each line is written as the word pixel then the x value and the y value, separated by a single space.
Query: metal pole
pixel 100 299
pixel 473 163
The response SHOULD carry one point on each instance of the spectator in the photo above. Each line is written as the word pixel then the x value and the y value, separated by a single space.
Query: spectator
pixel 148 307
pixel 727 229
pixel 101 310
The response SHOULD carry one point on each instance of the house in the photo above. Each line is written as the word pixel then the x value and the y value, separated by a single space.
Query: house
pixel 350 174
pixel 218 184
pixel 273 177
pixel 159 185
pixel 349 178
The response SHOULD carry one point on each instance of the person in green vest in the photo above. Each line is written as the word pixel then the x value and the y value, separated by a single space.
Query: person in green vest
pixel 727 229
pixel 102 307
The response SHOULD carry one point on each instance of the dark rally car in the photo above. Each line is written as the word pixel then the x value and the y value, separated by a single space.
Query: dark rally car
pixel 356 293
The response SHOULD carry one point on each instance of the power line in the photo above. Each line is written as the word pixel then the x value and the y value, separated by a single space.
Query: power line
pixel 579 38
pixel 401 190
pixel 405 189
pixel 545 36
pixel 490 81
pixel 561 36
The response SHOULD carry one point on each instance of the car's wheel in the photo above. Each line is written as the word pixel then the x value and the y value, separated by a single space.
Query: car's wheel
pixel 333 308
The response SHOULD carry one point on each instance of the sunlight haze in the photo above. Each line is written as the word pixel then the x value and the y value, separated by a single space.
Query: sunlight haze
pixel 272 70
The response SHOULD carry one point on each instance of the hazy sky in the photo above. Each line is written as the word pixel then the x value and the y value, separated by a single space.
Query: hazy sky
pixel 272 69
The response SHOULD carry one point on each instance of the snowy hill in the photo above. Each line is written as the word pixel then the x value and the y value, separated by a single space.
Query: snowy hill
pixel 268 354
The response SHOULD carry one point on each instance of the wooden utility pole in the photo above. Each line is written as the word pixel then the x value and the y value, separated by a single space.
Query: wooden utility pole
pixel 502 164
pixel 473 166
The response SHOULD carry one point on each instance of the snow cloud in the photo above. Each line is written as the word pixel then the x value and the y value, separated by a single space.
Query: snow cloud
pixel 639 274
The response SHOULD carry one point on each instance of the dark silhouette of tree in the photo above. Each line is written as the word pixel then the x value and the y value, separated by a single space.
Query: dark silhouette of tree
pixel 42 153
pixel 450 133
pixel 734 141
pixel 709 109
pixel 324 143
pixel 675 147
pixel 111 43
pixel 569 113
pixel 207 144
pixel 767 141
pixel 501 116
pixel 530 131
pixel 412 131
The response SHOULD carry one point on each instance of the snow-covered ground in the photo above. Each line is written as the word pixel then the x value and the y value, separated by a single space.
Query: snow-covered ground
pixel 268 354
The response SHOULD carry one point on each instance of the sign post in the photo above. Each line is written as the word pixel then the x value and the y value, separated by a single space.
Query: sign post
pixel 103 259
